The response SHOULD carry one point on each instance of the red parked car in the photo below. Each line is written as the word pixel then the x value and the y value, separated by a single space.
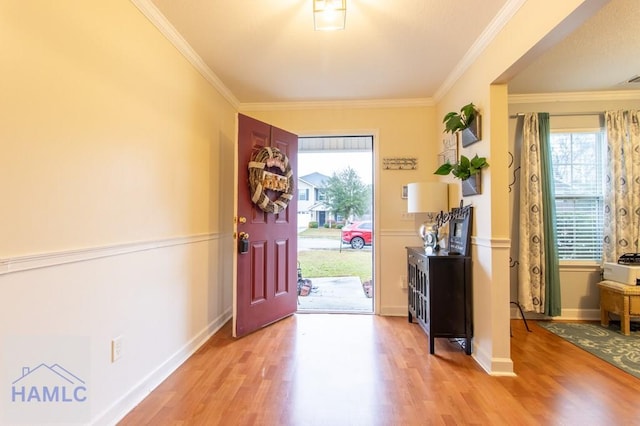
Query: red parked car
pixel 358 234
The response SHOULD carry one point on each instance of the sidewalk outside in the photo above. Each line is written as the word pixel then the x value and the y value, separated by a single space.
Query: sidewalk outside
pixel 336 294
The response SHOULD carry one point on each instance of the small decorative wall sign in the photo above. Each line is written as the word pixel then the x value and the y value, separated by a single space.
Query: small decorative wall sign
pixel 400 163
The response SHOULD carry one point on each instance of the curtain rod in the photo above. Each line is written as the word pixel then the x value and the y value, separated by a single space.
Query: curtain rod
pixel 563 114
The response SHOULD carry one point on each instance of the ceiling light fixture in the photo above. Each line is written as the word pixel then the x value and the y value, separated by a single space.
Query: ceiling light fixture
pixel 329 15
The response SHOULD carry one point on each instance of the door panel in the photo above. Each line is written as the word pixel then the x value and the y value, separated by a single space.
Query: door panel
pixel 266 276
pixel 282 281
pixel 258 272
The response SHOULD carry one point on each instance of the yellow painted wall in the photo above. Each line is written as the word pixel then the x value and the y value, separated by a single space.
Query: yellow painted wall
pixel 108 135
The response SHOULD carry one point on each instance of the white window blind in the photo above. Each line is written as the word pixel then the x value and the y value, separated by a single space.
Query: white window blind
pixel 578 171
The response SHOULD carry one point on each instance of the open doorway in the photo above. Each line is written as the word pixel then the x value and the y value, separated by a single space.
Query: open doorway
pixel 335 224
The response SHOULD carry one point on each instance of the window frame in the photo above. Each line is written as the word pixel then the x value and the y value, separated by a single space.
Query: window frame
pixel 601 135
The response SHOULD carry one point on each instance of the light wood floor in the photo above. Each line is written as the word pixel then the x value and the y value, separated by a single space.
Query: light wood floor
pixel 369 370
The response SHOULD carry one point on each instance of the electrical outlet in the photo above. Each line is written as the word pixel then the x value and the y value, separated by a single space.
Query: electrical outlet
pixel 406 216
pixel 116 348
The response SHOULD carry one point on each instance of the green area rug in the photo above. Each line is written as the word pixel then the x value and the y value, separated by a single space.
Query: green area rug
pixel 605 343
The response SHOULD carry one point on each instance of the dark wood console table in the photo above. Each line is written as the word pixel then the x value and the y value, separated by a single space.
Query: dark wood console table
pixel 440 296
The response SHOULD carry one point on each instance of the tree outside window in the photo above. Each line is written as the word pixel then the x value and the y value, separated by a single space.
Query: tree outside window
pixel 346 194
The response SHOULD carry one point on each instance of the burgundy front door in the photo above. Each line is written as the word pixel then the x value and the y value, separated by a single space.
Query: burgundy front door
pixel 266 275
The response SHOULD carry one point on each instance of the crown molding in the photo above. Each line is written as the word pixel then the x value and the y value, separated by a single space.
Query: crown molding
pixel 609 95
pixel 495 26
pixel 151 12
pixel 372 103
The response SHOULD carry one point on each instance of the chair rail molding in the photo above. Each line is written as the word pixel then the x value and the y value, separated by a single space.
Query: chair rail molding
pixel 46 260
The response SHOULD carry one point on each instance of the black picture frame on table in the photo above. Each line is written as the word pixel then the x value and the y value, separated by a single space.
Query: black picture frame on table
pixel 460 230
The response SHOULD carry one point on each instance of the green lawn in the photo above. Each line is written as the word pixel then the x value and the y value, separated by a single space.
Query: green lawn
pixel 334 263
pixel 320 233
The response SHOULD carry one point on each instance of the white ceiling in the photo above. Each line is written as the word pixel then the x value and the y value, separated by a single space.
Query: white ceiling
pixel 267 51
pixel 601 55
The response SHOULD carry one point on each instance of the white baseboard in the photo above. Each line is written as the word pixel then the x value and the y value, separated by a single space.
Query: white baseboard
pixel 393 311
pixel 499 367
pixel 139 392
pixel 567 315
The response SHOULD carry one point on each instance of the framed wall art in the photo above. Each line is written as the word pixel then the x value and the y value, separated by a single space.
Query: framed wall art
pixel 449 153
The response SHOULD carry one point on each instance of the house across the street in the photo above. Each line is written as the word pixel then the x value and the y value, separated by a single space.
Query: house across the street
pixel 311 196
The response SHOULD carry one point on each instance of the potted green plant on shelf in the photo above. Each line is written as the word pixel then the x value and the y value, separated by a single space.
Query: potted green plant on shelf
pixel 467 122
pixel 467 170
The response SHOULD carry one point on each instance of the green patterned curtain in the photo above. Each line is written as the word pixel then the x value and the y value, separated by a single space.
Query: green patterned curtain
pixel 538 273
pixel 552 305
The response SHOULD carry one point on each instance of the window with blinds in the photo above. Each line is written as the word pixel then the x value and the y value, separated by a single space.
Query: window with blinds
pixel 578 173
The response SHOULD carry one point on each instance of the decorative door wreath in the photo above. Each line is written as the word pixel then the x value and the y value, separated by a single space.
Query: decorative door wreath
pixel 261 180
